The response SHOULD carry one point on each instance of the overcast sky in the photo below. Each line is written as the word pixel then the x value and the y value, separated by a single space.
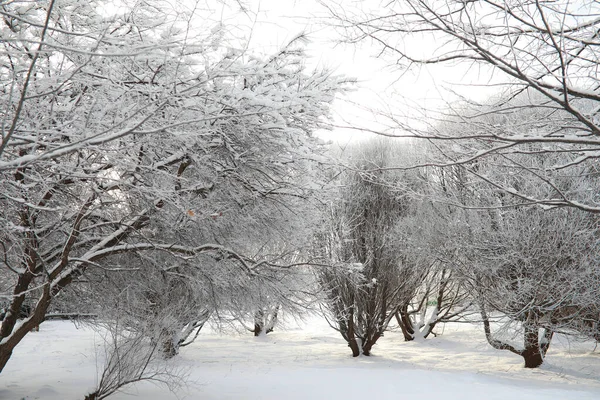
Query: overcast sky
pixel 272 23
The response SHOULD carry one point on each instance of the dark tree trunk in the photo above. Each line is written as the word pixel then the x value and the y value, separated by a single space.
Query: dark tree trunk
pixel 169 348
pixel 8 346
pixel 17 334
pixel 532 353
pixel 10 334
pixel 10 318
pixel 405 324
pixel 5 354
pixel 258 322
pixel 351 336
pixel 532 357
pixel 370 342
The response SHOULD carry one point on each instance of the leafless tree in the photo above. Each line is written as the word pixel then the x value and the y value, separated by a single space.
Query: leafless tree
pixel 527 268
pixel 536 268
pixel 122 132
pixel 129 357
pixel 540 56
pixel 371 278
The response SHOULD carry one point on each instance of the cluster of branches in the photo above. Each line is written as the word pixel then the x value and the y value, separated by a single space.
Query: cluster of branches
pixel 528 268
pixel 407 246
pixel 154 168
pixel 381 266
pixel 540 57
pixel 513 179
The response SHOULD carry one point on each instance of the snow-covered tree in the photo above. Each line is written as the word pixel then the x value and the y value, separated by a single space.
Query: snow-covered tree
pixel 544 52
pixel 369 279
pixel 127 133
pixel 425 241
pixel 536 269
pixel 387 242
pixel 531 268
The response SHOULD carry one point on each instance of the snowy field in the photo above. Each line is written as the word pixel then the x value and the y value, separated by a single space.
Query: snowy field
pixel 59 363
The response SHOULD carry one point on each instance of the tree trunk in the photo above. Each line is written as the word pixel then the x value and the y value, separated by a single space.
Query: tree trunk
pixel 17 334
pixel 197 326
pixel 368 345
pixel 258 322
pixel 91 396
pixel 351 336
pixel 272 320
pixel 169 348
pixel 405 324
pixel 9 345
pixel 5 354
pixel 546 339
pixel 531 353
pixel 14 310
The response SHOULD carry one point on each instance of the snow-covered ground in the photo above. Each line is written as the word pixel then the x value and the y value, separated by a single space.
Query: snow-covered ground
pixel 59 363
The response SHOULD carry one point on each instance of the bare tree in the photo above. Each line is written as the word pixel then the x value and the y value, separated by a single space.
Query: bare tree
pixel 539 55
pixel 129 358
pixel 528 269
pixel 535 268
pixel 122 132
pixel 370 279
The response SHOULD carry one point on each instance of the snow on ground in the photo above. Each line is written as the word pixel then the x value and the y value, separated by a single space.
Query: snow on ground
pixel 59 363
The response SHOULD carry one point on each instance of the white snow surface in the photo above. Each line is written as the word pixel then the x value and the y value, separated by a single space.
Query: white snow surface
pixel 313 362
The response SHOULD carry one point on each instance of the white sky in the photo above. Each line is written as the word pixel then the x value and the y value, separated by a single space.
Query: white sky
pixel 272 23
